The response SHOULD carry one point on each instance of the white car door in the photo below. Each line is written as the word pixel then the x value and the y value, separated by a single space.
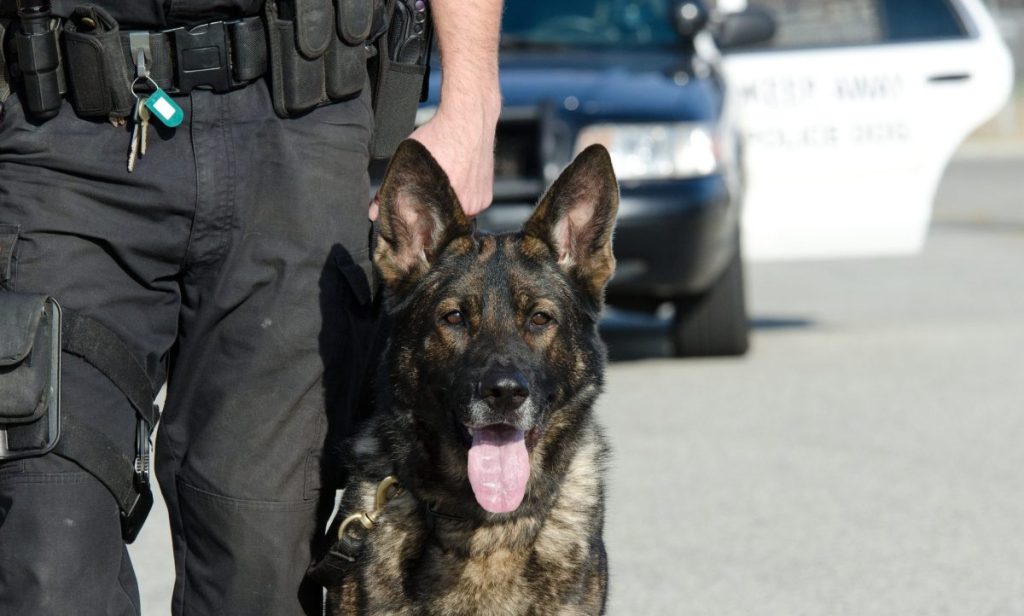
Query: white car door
pixel 851 116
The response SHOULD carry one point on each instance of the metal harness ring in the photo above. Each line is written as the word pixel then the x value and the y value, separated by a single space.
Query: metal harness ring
pixel 369 520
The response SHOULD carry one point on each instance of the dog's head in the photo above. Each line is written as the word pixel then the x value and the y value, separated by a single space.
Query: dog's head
pixel 494 337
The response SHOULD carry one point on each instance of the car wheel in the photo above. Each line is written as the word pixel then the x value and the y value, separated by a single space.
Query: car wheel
pixel 715 322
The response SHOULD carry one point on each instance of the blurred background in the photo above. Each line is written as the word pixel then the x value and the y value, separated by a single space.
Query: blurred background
pixel 817 321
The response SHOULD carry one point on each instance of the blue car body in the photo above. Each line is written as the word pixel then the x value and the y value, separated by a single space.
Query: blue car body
pixel 674 237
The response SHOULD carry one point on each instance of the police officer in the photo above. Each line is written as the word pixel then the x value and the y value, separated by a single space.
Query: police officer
pixel 231 261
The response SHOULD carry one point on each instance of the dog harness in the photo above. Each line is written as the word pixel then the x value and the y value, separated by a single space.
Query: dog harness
pixel 355 529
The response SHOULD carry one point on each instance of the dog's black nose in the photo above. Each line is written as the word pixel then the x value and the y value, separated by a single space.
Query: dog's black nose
pixel 504 390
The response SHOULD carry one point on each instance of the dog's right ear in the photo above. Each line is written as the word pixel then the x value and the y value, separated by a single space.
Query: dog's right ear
pixel 575 219
pixel 419 216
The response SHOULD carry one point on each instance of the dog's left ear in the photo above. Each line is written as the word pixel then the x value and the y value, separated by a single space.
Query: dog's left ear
pixel 419 216
pixel 576 216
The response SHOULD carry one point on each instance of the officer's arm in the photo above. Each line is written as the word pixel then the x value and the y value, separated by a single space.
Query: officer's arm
pixel 461 134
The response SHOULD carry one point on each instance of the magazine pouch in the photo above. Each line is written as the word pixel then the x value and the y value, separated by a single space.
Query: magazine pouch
pixel 30 327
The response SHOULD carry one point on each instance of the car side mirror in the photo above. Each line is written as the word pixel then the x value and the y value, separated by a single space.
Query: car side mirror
pixel 689 17
pixel 753 25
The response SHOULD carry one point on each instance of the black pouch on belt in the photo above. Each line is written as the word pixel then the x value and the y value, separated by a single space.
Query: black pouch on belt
pixel 317 51
pixel 30 329
pixel 100 81
pixel 396 95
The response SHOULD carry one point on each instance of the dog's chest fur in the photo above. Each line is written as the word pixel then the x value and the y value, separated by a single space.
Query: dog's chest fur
pixel 538 564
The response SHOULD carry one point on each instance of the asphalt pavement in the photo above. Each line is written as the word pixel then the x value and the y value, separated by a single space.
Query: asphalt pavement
pixel 864 459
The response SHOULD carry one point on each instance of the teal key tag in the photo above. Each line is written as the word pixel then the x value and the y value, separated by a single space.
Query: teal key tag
pixel 165 109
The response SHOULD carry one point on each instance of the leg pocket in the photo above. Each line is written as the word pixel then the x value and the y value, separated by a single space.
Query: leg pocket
pixel 243 556
pixel 8 239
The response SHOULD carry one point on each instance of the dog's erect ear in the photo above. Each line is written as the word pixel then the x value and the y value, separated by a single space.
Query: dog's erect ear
pixel 576 216
pixel 419 216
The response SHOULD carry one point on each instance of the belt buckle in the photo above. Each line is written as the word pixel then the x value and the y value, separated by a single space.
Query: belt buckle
pixel 201 57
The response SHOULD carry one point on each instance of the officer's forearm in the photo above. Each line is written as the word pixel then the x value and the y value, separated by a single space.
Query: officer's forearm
pixel 467 34
pixel 461 134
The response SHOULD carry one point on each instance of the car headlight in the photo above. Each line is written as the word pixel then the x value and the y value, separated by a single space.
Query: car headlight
pixel 656 151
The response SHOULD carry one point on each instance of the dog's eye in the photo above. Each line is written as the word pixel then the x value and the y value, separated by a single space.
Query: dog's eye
pixel 540 318
pixel 454 317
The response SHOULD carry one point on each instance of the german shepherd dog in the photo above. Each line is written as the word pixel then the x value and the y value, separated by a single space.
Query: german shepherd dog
pixel 484 404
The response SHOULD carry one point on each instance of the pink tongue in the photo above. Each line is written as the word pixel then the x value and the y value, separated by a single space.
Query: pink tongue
pixel 498 468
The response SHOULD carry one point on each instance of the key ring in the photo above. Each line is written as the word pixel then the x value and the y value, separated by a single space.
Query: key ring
pixel 141 76
pixel 163 107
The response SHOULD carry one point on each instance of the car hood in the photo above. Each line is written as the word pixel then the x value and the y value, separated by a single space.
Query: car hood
pixel 644 86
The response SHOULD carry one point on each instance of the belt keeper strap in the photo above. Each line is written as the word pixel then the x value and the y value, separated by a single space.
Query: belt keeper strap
pixel 158 52
pixel 161 69
pixel 248 49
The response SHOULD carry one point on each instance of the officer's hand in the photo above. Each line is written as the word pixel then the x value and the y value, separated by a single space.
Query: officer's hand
pixel 464 147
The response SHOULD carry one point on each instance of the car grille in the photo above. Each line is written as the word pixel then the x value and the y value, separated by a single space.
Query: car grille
pixel 517 150
pixel 518 166
pixel 518 170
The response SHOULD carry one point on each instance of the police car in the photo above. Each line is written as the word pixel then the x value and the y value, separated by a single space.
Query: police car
pixel 836 122
pixel 851 113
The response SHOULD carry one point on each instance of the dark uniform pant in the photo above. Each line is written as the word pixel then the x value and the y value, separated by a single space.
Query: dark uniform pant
pixel 233 262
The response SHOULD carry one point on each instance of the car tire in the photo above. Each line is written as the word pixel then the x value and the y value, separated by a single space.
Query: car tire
pixel 715 322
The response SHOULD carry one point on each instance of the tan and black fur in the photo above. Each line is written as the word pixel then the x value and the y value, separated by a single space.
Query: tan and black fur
pixel 547 556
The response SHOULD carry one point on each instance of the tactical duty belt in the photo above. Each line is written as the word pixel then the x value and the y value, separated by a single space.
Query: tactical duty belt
pixel 312 53
pixel 100 59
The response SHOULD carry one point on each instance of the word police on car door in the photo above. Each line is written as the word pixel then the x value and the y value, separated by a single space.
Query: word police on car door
pixel 851 115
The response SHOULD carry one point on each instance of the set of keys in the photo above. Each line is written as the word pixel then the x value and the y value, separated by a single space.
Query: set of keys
pixel 156 104
pixel 140 119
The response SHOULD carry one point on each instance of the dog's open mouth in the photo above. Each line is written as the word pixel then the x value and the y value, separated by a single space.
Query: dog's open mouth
pixel 499 466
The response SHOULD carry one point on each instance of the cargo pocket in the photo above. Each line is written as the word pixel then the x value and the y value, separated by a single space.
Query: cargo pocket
pixel 8 240
pixel 314 478
pixel 257 547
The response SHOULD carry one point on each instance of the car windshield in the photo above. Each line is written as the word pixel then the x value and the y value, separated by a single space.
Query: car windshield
pixel 588 23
